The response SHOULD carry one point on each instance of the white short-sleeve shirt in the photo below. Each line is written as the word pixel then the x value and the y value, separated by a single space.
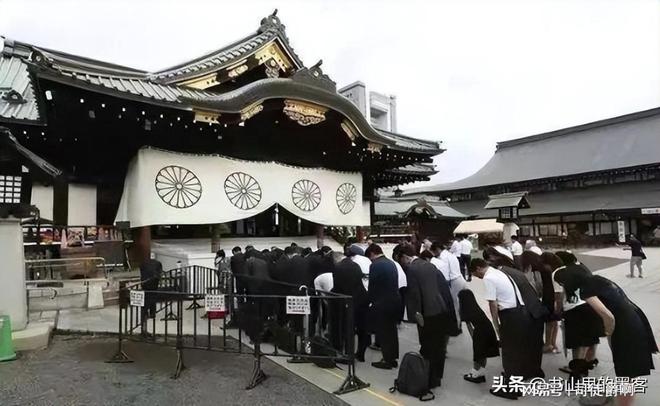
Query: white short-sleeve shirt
pixel 516 248
pixel 364 264
pixel 442 266
pixel 455 248
pixel 324 282
pixel 500 288
pixel 466 247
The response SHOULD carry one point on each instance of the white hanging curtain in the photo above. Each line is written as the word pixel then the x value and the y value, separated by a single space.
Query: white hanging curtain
pixel 163 187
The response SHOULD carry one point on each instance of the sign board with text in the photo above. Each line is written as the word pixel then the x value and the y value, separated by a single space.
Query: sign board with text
pixel 651 210
pixel 621 229
pixel 215 303
pixel 137 298
pixel 297 305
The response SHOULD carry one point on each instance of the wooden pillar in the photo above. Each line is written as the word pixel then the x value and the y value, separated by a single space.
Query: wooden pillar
pixel 216 233
pixel 141 249
pixel 593 229
pixel 319 236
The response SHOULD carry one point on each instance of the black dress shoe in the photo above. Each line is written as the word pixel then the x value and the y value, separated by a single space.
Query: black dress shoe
pixel 505 395
pixel 474 379
pixel 382 365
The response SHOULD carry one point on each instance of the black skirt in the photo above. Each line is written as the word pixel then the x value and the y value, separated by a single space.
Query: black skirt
pixel 583 327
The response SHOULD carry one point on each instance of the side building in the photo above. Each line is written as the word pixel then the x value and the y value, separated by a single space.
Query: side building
pixel 580 182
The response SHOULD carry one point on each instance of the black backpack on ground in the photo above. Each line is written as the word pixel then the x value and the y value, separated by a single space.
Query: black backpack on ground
pixel 320 346
pixel 413 378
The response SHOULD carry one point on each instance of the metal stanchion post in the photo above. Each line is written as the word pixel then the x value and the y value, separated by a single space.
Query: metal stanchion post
pixel 352 382
pixel 179 340
pixel 120 356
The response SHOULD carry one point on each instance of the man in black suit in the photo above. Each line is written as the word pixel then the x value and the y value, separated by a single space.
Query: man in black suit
pixel 385 305
pixel 150 272
pixel 237 265
pixel 347 280
pixel 429 302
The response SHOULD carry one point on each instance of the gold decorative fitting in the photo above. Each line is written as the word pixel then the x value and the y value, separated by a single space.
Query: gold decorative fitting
pixel 304 113
pixel 203 82
pixel 373 147
pixel 273 52
pixel 207 117
pixel 349 129
pixel 237 71
pixel 250 112
pixel 273 71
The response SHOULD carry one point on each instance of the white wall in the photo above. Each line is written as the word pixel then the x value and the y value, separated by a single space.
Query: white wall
pixel 13 297
pixel 42 197
pixel 82 205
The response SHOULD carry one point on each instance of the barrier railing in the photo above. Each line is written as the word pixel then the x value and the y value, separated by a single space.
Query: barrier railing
pixel 36 269
pixel 279 319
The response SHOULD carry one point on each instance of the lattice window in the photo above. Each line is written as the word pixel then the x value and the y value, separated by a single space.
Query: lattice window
pixel 10 189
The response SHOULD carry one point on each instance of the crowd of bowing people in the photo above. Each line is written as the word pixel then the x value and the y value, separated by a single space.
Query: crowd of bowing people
pixel 527 293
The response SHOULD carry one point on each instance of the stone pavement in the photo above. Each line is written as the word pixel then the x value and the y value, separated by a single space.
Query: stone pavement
pixel 72 372
pixel 609 262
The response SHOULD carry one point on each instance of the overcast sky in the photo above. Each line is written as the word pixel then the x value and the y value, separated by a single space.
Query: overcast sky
pixel 468 73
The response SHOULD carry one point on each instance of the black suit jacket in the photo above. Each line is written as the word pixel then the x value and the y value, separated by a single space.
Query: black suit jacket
pixel 347 280
pixel 384 290
pixel 528 293
pixel 428 291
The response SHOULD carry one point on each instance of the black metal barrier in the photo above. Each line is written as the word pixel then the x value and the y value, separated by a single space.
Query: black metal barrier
pixel 253 307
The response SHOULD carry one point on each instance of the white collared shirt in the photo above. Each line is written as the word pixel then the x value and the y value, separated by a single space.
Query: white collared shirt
pixel 516 248
pixel 442 266
pixel 364 264
pixel 403 280
pixel 455 248
pixel 324 282
pixel 500 288
pixel 466 247
pixel 450 267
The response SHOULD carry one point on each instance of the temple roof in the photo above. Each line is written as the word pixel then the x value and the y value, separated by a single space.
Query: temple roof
pixel 271 29
pixel 592 199
pixel 21 65
pixel 617 143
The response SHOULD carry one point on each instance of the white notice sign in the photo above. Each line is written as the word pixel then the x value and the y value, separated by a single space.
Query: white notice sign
pixel 621 225
pixel 137 298
pixel 297 305
pixel 651 210
pixel 215 303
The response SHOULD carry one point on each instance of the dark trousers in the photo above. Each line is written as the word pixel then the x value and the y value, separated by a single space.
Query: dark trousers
pixel 388 338
pixel 433 338
pixel 465 266
pixel 364 339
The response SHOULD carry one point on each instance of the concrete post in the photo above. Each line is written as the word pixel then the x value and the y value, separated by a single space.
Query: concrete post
pixel 13 294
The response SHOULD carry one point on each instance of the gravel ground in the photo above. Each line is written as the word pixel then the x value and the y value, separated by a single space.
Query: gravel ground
pixel 72 371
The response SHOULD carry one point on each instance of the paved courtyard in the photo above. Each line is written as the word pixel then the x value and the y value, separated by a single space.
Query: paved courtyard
pixel 210 374
pixel 72 372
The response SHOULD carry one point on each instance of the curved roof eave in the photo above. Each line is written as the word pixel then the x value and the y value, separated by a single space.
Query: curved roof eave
pixel 284 88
